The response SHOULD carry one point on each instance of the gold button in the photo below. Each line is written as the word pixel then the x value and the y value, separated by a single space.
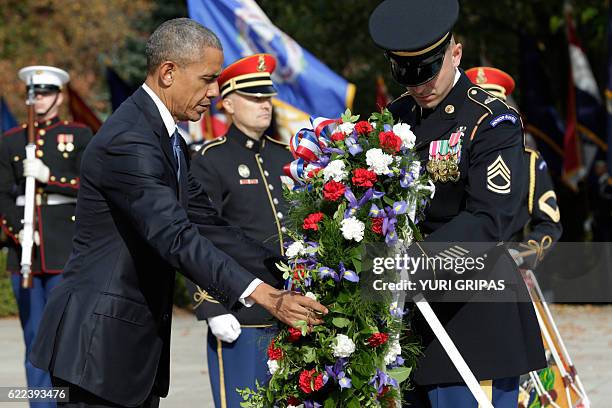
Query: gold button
pixel 474 92
pixel 39 153
pixel 10 228
pixel 73 182
pixel 73 218
pixel 40 142
pixel 449 109
pixel 16 158
pixel 65 155
pixel 52 178
pixel 4 222
pixel 40 190
pixel 65 122
pixel 42 132
pixel 62 179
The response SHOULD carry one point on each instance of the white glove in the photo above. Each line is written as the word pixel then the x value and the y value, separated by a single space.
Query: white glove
pixel 225 327
pixel 36 237
pixel 37 169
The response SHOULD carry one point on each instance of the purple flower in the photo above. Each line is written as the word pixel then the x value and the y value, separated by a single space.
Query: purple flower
pixel 381 379
pixel 325 272
pixel 347 274
pixel 344 381
pixel 312 404
pixel 387 127
pixel 396 312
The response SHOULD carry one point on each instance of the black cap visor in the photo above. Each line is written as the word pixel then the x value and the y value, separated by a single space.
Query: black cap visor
pixel 42 89
pixel 411 71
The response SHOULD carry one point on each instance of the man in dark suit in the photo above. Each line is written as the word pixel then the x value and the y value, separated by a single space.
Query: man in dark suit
pixel 140 217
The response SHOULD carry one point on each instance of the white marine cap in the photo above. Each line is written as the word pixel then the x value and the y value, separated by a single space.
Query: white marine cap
pixel 44 77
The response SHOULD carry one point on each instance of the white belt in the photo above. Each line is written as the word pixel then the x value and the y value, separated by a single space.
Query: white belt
pixel 51 199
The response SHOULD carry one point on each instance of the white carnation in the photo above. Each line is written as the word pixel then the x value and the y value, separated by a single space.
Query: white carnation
pixel 335 170
pixel 403 131
pixel 394 350
pixel 311 295
pixel 273 366
pixel 346 128
pixel 352 228
pixel 378 161
pixel 415 168
pixel 343 346
pixel 295 249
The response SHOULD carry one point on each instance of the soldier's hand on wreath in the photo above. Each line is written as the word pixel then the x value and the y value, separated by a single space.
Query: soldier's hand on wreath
pixel 225 327
pixel 37 169
pixel 36 237
pixel 289 307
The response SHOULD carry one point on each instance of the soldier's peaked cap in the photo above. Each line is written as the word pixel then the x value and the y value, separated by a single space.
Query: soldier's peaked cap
pixel 249 76
pixel 414 35
pixel 44 77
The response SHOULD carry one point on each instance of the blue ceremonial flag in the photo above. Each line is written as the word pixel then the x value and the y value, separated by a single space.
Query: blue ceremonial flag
pixel 119 90
pixel 306 87
pixel 7 120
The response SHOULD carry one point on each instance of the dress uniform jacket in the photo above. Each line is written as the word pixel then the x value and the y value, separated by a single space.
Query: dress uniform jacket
pixel 60 145
pixel 497 339
pixel 538 224
pixel 106 326
pixel 242 176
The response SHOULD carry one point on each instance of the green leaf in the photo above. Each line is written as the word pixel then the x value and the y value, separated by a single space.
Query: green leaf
pixel 340 322
pixel 388 200
pixel 329 403
pixel 302 325
pixel 309 354
pixel 353 403
pixel 400 374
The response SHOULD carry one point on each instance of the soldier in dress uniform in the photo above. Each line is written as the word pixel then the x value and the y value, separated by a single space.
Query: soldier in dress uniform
pixel 538 224
pixel 59 148
pixel 242 173
pixel 471 144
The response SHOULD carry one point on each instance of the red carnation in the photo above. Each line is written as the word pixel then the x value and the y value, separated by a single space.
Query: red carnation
pixel 293 401
pixel 363 127
pixel 338 136
pixel 318 382
pixel 390 141
pixel 305 379
pixel 333 190
pixel 378 339
pixel 310 381
pixel 274 353
pixel 312 221
pixel 294 334
pixel 363 178
pixel 377 224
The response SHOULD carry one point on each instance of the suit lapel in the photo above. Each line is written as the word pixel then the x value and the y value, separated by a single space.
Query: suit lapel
pixel 147 106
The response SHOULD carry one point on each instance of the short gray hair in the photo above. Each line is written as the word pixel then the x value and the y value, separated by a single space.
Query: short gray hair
pixel 180 40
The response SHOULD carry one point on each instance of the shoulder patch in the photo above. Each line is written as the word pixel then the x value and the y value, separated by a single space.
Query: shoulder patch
pixel 212 143
pixel 271 139
pixel 504 117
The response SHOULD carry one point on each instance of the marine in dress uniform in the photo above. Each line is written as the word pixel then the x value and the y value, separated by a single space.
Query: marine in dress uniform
pixel 59 148
pixel 471 143
pixel 242 174
pixel 538 224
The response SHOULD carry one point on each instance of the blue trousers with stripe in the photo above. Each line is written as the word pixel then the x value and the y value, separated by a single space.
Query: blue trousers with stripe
pixel 31 303
pixel 237 365
pixel 503 391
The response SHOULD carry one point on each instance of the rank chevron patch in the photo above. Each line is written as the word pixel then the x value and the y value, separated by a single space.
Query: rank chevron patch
pixel 498 176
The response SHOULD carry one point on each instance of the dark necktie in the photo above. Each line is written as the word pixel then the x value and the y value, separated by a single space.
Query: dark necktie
pixel 181 171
